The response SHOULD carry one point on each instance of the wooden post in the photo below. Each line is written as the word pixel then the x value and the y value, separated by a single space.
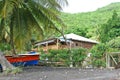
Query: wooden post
pixel 110 60
pixel 107 60
pixel 113 59
pixel 70 45
pixel 71 63
pixel 47 46
pixel 57 44
pixel 118 57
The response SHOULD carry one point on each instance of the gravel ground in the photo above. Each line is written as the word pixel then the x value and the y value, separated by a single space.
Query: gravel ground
pixel 50 73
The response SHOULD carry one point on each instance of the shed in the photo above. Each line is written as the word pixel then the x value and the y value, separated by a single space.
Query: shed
pixel 70 41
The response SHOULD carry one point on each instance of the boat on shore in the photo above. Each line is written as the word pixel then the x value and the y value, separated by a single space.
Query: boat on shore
pixel 24 59
pixel 28 59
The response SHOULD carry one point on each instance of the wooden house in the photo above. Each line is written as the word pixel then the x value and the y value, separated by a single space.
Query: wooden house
pixel 70 41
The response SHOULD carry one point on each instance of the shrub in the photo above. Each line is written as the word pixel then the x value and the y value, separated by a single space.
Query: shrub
pixel 98 55
pixel 76 56
pixel 99 63
pixel 114 45
pixel 5 46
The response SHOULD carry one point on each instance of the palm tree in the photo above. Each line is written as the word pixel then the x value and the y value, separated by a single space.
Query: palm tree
pixel 20 17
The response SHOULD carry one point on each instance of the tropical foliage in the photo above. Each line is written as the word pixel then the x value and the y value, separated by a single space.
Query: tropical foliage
pixel 5 47
pixel 111 29
pixel 24 21
pixel 98 55
pixel 87 24
pixel 115 43
pixel 65 56
pixel 20 18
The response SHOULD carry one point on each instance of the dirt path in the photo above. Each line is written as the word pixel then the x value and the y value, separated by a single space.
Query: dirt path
pixel 48 73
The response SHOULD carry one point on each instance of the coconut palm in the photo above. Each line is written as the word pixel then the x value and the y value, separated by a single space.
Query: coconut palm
pixel 18 19
pixel 21 17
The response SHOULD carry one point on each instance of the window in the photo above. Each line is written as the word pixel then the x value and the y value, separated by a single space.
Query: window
pixel 76 44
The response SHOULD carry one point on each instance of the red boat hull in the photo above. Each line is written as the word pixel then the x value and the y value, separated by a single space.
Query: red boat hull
pixel 23 60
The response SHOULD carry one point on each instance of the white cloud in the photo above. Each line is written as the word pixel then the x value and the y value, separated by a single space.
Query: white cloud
pixel 76 6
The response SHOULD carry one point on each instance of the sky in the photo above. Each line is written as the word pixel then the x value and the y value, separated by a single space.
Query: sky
pixel 76 6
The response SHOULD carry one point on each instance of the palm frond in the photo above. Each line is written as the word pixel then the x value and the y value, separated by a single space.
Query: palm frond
pixel 30 16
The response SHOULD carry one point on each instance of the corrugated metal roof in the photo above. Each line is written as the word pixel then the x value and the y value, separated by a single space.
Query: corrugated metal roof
pixel 68 37
pixel 78 38
pixel 44 42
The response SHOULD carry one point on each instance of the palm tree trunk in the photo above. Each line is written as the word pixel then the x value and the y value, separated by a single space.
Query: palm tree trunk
pixel 4 63
pixel 11 38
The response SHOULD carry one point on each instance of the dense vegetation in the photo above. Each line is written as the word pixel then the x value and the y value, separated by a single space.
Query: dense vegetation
pixel 21 19
pixel 102 25
pixel 84 24
pixel 65 57
pixel 87 24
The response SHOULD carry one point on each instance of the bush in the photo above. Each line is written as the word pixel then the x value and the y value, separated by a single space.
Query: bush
pixel 78 56
pixel 59 56
pixel 98 55
pixel 114 45
pixel 5 46
pixel 65 56
pixel 98 63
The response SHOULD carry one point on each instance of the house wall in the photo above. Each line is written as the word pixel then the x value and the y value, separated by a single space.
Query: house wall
pixel 87 45
pixel 53 46
pixel 74 44
pixel 63 46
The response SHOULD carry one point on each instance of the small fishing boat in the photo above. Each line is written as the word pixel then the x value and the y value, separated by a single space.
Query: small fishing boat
pixel 24 59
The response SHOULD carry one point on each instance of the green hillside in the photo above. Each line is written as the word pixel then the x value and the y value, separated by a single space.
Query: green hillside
pixel 86 24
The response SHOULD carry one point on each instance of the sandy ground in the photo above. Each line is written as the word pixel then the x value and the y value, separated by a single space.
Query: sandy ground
pixel 50 73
